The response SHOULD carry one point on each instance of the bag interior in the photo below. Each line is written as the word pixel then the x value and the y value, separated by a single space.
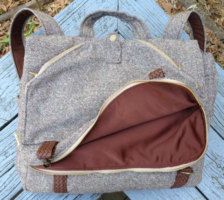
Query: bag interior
pixel 150 125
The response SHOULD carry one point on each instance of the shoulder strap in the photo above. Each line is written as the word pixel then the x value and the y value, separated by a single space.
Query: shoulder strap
pixel 16 33
pixel 176 26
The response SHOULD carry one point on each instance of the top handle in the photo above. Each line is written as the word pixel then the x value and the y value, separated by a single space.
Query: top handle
pixel 139 29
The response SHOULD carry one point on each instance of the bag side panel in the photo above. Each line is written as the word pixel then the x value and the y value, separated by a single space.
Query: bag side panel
pixel 210 83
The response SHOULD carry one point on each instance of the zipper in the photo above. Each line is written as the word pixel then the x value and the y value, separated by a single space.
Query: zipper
pixel 17 139
pixel 58 57
pixel 167 57
pixel 67 51
pixel 162 53
pixel 105 104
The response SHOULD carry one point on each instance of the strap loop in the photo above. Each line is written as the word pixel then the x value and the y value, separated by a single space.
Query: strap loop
pixel 16 33
pixel 177 23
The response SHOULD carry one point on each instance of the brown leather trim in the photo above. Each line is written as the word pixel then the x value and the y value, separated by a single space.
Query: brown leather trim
pixel 182 177
pixel 60 184
pixel 151 125
pixel 198 29
pixel 158 73
pixel 46 150
pixel 17 46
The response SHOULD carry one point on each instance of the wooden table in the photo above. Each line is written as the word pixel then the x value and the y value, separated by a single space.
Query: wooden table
pixel 212 185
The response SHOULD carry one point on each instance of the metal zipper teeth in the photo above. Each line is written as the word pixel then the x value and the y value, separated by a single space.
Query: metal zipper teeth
pixel 17 139
pixel 162 53
pixel 64 53
pixel 166 56
pixel 106 103
pixel 58 57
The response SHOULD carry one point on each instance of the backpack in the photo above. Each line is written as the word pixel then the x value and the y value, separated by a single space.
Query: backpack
pixel 104 115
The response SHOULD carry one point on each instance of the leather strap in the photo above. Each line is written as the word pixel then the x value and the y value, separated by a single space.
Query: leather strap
pixel 16 33
pixel 182 177
pixel 46 150
pixel 158 73
pixel 176 25
pixel 60 183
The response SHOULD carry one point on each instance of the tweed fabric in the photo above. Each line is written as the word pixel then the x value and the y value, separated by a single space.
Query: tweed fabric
pixel 62 102
pixel 85 100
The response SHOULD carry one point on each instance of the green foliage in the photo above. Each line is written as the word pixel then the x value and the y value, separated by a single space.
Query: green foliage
pixel 29 29
pixel 4 42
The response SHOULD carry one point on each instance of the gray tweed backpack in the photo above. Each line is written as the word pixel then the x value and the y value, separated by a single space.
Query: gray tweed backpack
pixel 103 115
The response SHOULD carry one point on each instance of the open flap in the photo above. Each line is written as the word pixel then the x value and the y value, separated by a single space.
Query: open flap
pixel 152 124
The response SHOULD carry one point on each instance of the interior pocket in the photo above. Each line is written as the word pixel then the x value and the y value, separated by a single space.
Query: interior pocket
pixel 150 125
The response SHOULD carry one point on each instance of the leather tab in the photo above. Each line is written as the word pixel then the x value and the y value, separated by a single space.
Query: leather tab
pixel 158 73
pixel 182 177
pixel 46 150
pixel 60 183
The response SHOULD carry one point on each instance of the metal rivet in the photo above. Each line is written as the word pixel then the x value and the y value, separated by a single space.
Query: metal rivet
pixel 113 38
pixel 33 74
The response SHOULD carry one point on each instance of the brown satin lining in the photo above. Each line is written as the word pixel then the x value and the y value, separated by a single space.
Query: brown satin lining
pixel 151 125
pixel 198 29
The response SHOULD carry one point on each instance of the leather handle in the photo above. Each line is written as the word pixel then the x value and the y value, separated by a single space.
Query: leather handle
pixel 176 25
pixel 139 29
pixel 16 33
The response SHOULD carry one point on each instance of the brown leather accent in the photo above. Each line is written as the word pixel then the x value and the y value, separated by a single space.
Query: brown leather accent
pixel 46 150
pixel 182 177
pixel 158 73
pixel 60 183
pixel 151 125
pixel 198 29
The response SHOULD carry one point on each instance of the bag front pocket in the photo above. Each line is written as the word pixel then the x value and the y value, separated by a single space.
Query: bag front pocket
pixel 156 125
